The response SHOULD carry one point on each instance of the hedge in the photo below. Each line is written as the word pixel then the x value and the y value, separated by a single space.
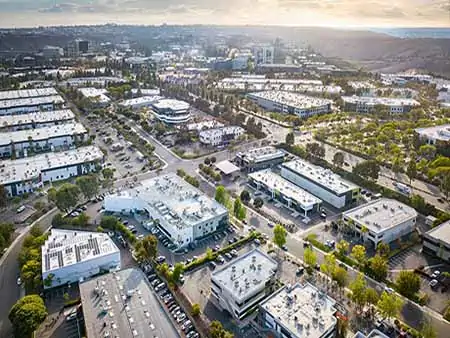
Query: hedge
pixel 312 239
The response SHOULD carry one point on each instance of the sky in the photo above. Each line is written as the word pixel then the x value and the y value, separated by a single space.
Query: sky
pixel 332 13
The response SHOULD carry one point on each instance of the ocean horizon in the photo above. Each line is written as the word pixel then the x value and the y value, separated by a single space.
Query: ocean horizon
pixel 434 33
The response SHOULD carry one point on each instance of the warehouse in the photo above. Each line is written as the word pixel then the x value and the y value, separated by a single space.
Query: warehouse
pixel 35 120
pixel 140 102
pixel 27 93
pixel 437 241
pixel 30 104
pixel 259 158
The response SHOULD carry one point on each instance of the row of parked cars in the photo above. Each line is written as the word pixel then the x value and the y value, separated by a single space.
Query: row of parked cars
pixel 163 239
pixel 171 304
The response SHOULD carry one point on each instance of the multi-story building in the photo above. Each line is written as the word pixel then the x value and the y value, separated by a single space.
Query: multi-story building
pixel 77 47
pixel 261 83
pixel 220 136
pixel 260 158
pixel 137 92
pixel 52 52
pixel 435 134
pixel 240 61
pixel 35 120
pixel 382 220
pixel 298 311
pixel 291 103
pixel 70 256
pixel 95 95
pixel 30 104
pixel 279 68
pixel 367 104
pixel 282 190
pixel 20 142
pixel 172 111
pixel 241 285
pixel 183 212
pixel 321 182
pixel 372 334
pixel 263 54
pixel 140 102
pixel 437 241
pixel 27 174
pixel 101 81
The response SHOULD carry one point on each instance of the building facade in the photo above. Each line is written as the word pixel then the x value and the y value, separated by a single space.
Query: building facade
pixel 35 120
pixel 30 104
pixel 220 136
pixel 260 158
pixel 436 242
pixel 367 104
pixel 172 111
pixel 435 134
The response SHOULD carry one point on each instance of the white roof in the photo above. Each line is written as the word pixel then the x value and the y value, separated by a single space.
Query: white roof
pixel 441 133
pixel 39 134
pixel 227 167
pixel 245 274
pixel 381 214
pixel 295 100
pixel 204 125
pixel 101 80
pixel 31 101
pixel 68 247
pixel 26 93
pixel 303 310
pixel 261 154
pixel 96 93
pixel 361 84
pixel 146 92
pixel 28 168
pixel 262 80
pixel 143 100
pixel 286 188
pixel 229 130
pixel 387 101
pixel 37 117
pixel 171 104
pixel 320 176
pixel 440 233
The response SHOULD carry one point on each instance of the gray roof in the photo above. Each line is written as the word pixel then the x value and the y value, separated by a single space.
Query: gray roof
pixel 440 233
pixel 295 100
pixel 36 117
pixel 26 93
pixel 31 101
pixel 441 133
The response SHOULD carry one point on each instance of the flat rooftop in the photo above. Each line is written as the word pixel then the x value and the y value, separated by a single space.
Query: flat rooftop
pixel 441 232
pixel 320 176
pixel 170 199
pixel 441 133
pixel 27 93
pixel 124 302
pixel 291 99
pixel 386 101
pixel 99 94
pixel 372 334
pixel 246 273
pixel 381 214
pixel 361 84
pixel 31 101
pixel 39 134
pixel 37 117
pixel 261 154
pixel 302 309
pixel 203 125
pixel 286 188
pixel 146 92
pixel 263 80
pixel 229 130
pixel 28 168
pixel 143 100
pixel 68 247
pixel 171 104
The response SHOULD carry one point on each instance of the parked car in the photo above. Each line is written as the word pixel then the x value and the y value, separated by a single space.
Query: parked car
pixel 435 274
pixel 228 256
pixel 186 324
pixel 234 253
pixel 220 259
pixel 257 241
pixel 284 247
pixel 300 271
pixel 212 265
pixel 160 259
pixel 181 317
pixel 433 283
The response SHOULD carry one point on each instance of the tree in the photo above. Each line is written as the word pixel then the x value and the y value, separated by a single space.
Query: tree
pixel 364 232
pixel 329 265
pixel 213 159
pixel 340 275
pixel 427 151
pixel 216 330
pixel 379 267
pixel 358 289
pixel 258 202
pixel 195 310
pixel 181 172
pixel 372 296
pixel 109 222
pixel 338 159
pixel 88 186
pixel 367 169
pixel 207 161
pixel 279 235
pixel 445 184
pixel 27 314
pixel 310 257
pixel 411 170
pixel 245 196
pixel 342 247
pixel 314 149
pixel 290 139
pixel 239 209
pixel 427 330
pixel 108 174
pixel 408 283
pixel 3 196
pixel 397 164
pixel 67 197
pixel 389 305
pixel 150 245
pixel 383 249
pixel 359 254
pixel 221 195
pixel 178 270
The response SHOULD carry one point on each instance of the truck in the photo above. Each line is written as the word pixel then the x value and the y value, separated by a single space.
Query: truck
pixel 403 188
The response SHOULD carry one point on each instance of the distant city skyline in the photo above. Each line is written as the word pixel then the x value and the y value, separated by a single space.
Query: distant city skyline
pixel 325 13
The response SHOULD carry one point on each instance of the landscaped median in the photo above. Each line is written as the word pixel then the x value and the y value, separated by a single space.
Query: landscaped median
pixel 312 238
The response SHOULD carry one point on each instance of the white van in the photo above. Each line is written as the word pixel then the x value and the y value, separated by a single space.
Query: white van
pixel 20 209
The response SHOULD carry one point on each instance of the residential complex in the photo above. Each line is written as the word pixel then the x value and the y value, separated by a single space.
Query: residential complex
pixel 321 182
pixel 282 190
pixel 27 174
pixel 244 283
pixel 30 104
pixel 291 103
pixel 367 104
pixel 35 120
pixel 299 311
pixel 260 158
pixel 95 95
pixel 382 220
pixel 435 134
pixel 184 213
pixel 437 241
pixel 220 136
pixel 70 256
pixel 172 111
pixel 140 102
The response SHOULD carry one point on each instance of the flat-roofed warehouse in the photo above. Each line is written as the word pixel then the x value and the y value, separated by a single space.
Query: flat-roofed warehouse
pixel 69 256
pixel 121 304
pixel 35 120
pixel 437 241
pixel 27 174
pixel 30 104
pixel 260 158
pixel 385 219
pixel 185 213
pixel 299 311
pixel 26 93
pixel 321 182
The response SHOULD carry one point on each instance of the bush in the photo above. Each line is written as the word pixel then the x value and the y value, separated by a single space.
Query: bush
pixel 312 239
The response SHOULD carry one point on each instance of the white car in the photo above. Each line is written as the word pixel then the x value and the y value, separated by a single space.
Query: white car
pixel 19 281
pixel 433 283
pixel 435 274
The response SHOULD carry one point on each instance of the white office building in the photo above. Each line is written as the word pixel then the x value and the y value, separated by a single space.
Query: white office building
pixel 35 120
pixel 43 139
pixel 321 182
pixel 145 92
pixel 184 213
pixel 385 220
pixel 435 134
pixel 95 95
pixel 172 111
pixel 260 158
pixel 261 83
pixel 101 81
pixel 242 284
pixel 281 190
pixel 70 256
pixel 299 311
pixel 291 103
pixel 367 104
pixel 27 174
pixel 140 102
pixel 30 104
pixel 220 136
pixel 203 125
pixel 437 241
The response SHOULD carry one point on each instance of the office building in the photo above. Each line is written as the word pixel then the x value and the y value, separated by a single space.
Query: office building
pixel 127 305
pixel 52 52
pixel 279 68
pixel 77 47
pixel 185 214
pixel 70 256
pixel 35 120
pixel 30 104
pixel 382 220
pixel 39 140
pixel 299 311
pixel 140 102
pixel 220 136
pixel 27 93
pixel 259 158
pixel 436 242
pixel 242 284
pixel 368 104
pixel 241 60
pixel 291 103
pixel 282 190
pixel 145 92
pixel 28 174
pixel 101 81
pixel 320 182
pixel 435 134
pixel 219 64
pixel 96 96
pixel 203 125
pixel 172 111
pixel 263 54
pixel 261 83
